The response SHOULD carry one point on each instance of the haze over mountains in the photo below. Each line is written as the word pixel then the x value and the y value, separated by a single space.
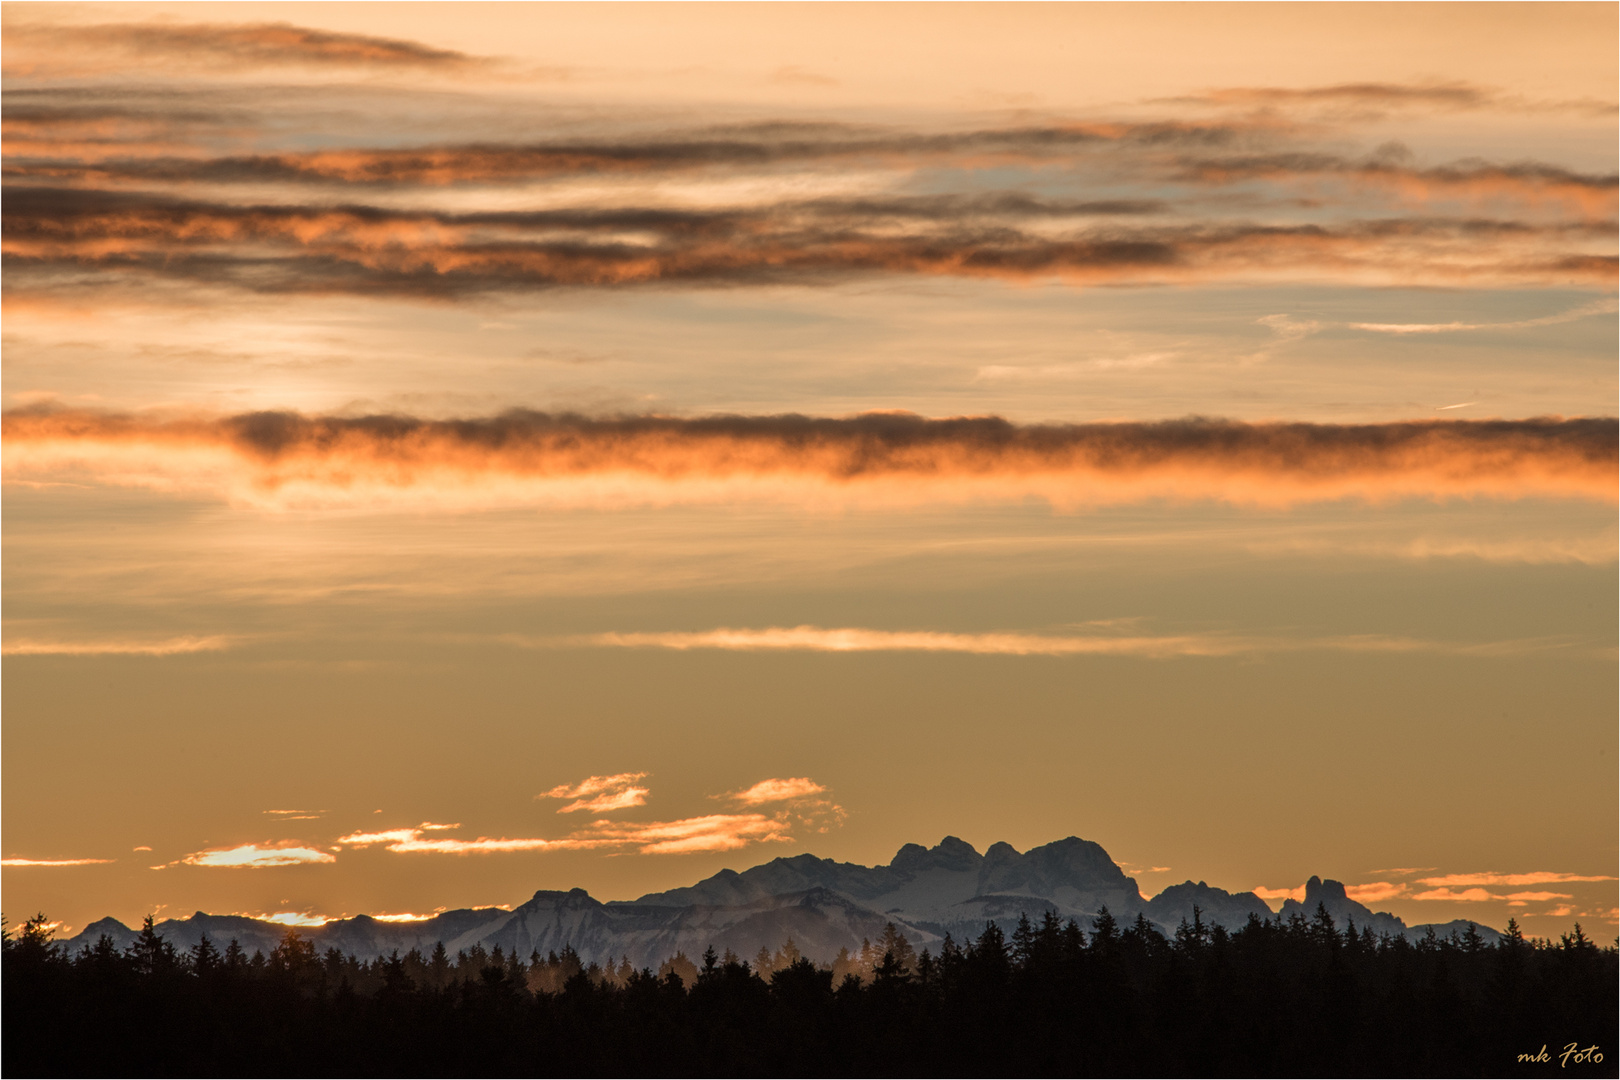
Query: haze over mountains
pixel 822 905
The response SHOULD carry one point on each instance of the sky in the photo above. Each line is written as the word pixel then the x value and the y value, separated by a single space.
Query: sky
pixel 452 451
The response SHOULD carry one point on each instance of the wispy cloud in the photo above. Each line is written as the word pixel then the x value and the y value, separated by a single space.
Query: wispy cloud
pixel 1465 895
pixel 778 790
pixel 117 647
pixel 1537 878
pixel 887 458
pixel 259 856
pixel 712 832
pixel 858 639
pixel 600 794
pixel 1290 327
pixel 40 47
pixel 53 862
pixel 422 254
pixel 799 803
pixel 1374 892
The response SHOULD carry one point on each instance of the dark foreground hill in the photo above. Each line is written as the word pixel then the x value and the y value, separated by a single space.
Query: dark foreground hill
pixel 823 906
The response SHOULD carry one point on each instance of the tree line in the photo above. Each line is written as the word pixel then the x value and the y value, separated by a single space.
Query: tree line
pixel 1278 997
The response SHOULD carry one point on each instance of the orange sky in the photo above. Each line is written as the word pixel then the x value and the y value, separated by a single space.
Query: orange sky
pixel 452 451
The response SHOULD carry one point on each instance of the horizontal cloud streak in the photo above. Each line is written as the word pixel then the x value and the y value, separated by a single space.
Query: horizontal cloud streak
pixel 778 790
pixel 165 647
pixel 1540 878
pixel 854 639
pixel 1297 328
pixel 52 862
pixel 600 794
pixel 711 832
pixel 526 457
pixel 225 45
pixel 358 249
pixel 259 856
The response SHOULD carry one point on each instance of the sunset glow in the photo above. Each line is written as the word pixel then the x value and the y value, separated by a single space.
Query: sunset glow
pixel 558 447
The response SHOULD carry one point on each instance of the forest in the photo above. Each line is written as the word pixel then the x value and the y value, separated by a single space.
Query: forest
pixel 1294 997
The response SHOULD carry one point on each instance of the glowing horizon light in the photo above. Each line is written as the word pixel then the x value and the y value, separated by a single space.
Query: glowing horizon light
pixel 295 918
pixel 403 917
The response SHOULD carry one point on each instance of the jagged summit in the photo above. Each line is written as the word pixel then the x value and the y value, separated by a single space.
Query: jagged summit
pixel 822 904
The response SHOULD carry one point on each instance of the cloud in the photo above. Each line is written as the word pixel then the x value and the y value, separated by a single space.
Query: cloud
pixel 165 647
pixel 1454 95
pixel 1374 892
pixel 522 457
pixel 481 846
pixel 709 832
pixel 1469 895
pixel 757 146
pixel 1374 99
pixel 778 790
pixel 56 862
pixel 1591 195
pixel 217 45
pixel 712 832
pixel 1291 328
pixel 600 794
pixel 1521 897
pixel 259 856
pixel 1538 878
pixel 859 639
pixel 337 250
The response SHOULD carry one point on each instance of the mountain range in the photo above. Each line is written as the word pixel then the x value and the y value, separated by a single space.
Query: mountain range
pixel 822 905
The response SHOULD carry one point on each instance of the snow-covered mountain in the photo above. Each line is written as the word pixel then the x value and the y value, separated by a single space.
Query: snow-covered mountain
pixel 822 905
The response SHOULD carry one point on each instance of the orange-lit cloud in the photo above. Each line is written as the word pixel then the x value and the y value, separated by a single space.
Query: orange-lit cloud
pixel 778 790
pixel 45 46
pixel 857 639
pixel 799 796
pixel 366 250
pixel 1539 878
pixel 259 856
pixel 1374 892
pixel 520 457
pixel 481 846
pixel 1470 895
pixel 1295 328
pixel 1591 196
pixel 712 832
pixel 600 794
pixel 1522 897
pixel 54 862
pixel 165 647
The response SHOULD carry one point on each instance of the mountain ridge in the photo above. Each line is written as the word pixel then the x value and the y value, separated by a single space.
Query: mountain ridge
pixel 821 904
